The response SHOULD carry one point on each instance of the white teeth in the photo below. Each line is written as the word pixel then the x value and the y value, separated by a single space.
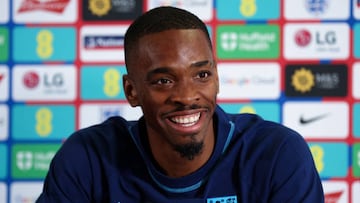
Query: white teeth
pixel 187 120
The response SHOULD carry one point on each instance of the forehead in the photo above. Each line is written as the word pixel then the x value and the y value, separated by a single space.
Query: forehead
pixel 175 42
pixel 179 34
pixel 170 48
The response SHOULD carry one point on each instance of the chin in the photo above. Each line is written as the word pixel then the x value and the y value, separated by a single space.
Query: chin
pixel 189 150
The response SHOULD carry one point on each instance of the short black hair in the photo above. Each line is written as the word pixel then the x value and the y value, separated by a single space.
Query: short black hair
pixel 161 19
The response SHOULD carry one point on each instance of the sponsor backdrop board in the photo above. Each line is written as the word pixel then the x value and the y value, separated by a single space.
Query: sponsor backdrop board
pixel 296 62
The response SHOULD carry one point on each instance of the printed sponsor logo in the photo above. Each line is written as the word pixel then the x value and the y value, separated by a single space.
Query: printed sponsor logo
pixel 48 11
pixel 247 41
pixel 356 9
pixel 57 6
pixel 4 83
pixel 25 191
pixel 317 7
pixel 4 11
pixel 227 199
pixel 4 122
pixel 1 77
pixel 202 8
pixel 3 192
pixel 35 44
pixel 302 38
pixel 91 114
pixel 356 40
pixel 31 79
pixel 316 41
pixel 336 191
pixel 356 120
pixel 316 10
pixel 249 80
pixel 333 197
pixel 44 82
pixel 355 191
pixel 316 80
pixel 267 110
pixel 331 159
pixel 3 162
pixel 99 8
pixel 4 44
pixel 309 120
pixel 32 160
pixel 106 87
pixel 356 159
pixel 94 10
pixel 322 119
pixel 102 43
pixel 248 10
pixel 37 122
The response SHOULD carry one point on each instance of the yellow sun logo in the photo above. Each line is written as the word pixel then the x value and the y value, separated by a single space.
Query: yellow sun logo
pixel 303 80
pixel 99 7
pixel 247 109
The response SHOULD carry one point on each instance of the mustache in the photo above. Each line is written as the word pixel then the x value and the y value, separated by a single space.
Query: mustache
pixel 188 107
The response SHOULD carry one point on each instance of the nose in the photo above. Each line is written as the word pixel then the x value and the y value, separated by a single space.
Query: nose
pixel 185 93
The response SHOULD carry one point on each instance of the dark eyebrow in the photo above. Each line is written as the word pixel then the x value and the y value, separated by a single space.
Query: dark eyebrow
pixel 201 63
pixel 155 71
pixel 166 70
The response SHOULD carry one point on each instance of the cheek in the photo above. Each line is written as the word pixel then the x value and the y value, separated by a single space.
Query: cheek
pixel 211 91
pixel 151 101
pixel 151 109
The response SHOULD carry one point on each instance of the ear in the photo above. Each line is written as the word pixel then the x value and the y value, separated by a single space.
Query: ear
pixel 130 91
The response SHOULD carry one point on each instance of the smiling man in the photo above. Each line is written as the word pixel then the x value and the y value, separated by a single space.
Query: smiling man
pixel 172 76
pixel 185 148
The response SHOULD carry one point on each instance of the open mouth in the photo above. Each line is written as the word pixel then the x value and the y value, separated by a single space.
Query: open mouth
pixel 186 121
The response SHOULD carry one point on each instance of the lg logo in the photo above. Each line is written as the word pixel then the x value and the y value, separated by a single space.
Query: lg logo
pixel 303 38
pixel 326 38
pixel 54 80
pixel 31 79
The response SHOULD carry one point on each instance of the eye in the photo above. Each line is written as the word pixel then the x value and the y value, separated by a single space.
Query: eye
pixel 203 74
pixel 162 81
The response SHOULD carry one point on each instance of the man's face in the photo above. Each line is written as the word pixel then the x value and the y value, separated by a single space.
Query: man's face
pixel 174 79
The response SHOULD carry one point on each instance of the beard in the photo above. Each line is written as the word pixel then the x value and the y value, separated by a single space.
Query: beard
pixel 189 150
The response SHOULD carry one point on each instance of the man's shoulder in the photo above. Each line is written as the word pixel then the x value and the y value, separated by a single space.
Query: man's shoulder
pixel 254 129
pixel 257 123
pixel 111 126
pixel 112 131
